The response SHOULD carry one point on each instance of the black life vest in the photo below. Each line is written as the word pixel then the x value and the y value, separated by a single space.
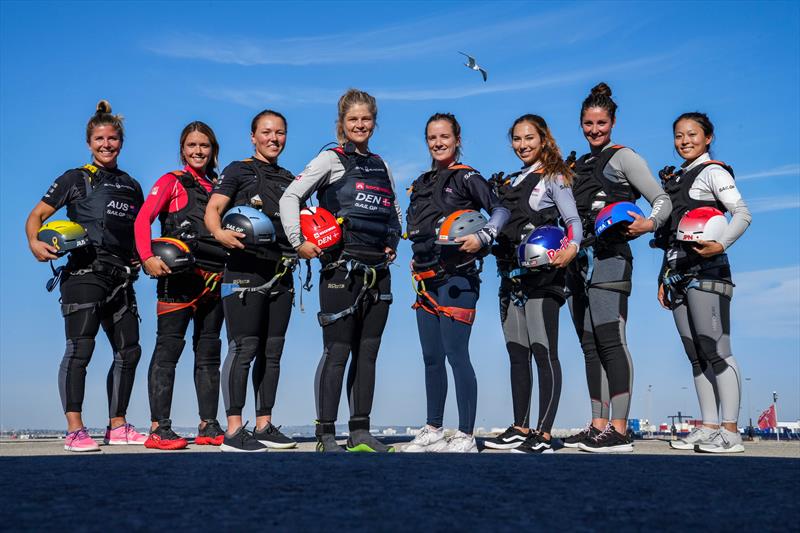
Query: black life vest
pixel 364 198
pixel 187 224
pixel 427 206
pixel 593 191
pixel 108 210
pixel 264 193
pixel 523 219
pixel 678 187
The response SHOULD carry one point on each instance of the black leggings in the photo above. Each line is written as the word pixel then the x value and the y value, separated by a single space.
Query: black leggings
pixel 206 344
pixel 531 333
pixel 598 300
pixel 82 321
pixel 256 326
pixel 359 333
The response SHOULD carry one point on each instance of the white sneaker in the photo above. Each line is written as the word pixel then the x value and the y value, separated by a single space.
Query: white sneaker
pixel 698 435
pixel 461 443
pixel 723 441
pixel 429 439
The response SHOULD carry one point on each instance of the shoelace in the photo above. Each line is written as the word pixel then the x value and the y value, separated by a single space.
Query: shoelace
pixel 81 434
pixel 605 433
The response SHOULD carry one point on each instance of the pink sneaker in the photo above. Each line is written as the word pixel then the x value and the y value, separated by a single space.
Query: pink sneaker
pixel 80 441
pixel 124 434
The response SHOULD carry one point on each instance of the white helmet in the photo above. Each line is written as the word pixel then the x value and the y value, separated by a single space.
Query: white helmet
pixel 702 224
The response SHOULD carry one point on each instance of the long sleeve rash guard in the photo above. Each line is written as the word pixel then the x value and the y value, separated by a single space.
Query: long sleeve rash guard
pixel 166 196
pixel 324 169
pixel 716 183
pixel 553 192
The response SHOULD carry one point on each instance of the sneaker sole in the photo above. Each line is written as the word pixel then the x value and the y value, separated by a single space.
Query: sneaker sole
pixel 517 450
pixel 168 447
pixel 122 443
pixel 572 445
pixel 363 448
pixel 208 441
pixel 81 450
pixel 736 448
pixel 495 446
pixel 278 445
pixel 423 449
pixel 225 448
pixel 622 448
pixel 685 446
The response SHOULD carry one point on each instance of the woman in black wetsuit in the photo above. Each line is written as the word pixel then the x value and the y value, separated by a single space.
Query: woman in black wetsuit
pixel 355 285
pixel 257 289
pixel 97 282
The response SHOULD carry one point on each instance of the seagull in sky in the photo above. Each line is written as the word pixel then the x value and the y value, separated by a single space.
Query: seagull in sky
pixel 473 65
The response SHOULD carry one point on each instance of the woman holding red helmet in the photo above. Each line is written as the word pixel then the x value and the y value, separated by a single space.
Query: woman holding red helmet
pixel 355 186
pixel 695 280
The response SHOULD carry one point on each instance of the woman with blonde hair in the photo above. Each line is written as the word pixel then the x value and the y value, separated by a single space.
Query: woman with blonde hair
pixel 357 187
pixel 538 196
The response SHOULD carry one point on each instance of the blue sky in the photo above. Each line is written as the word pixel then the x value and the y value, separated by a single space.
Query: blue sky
pixel 165 64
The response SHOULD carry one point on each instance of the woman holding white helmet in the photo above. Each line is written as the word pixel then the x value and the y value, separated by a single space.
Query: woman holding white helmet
pixel 695 281
pixel 532 276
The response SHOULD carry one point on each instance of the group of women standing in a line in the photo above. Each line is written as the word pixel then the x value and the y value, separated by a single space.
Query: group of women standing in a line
pixel 252 287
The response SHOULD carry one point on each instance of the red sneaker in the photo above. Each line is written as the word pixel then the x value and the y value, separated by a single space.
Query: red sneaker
pixel 212 434
pixel 163 438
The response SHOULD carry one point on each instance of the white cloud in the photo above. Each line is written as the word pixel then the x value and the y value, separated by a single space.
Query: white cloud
pixel 784 170
pixel 388 43
pixel 767 302
pixel 773 203
pixel 256 98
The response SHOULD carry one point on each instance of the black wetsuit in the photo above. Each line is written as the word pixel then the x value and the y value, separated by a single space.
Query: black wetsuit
pixel 96 286
pixel 256 322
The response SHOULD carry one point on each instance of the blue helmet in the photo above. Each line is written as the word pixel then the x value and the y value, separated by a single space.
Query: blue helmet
pixel 540 246
pixel 615 217
pixel 256 226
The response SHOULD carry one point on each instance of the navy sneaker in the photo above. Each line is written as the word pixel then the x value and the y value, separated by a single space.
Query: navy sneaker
pixel 271 437
pixel 241 441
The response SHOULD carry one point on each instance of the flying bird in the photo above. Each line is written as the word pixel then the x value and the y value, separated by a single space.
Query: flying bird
pixel 471 63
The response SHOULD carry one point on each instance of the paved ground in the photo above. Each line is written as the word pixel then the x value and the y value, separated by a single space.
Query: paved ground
pixel 140 489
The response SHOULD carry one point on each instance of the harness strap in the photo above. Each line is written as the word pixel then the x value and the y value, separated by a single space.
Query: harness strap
pixel 210 279
pixel 716 287
pixel 68 309
pixel 287 264
pixel 370 277
pixel 459 314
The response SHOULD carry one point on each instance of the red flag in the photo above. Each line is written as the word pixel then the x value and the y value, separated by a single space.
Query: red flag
pixel 768 418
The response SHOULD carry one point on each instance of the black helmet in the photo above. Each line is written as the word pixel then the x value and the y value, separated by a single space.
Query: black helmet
pixel 175 253
pixel 63 235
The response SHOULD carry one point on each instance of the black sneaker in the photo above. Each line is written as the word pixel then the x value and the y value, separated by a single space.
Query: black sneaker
pixel 607 442
pixel 271 437
pixel 361 440
pixel 326 443
pixel 535 443
pixel 241 441
pixel 211 434
pixel 589 432
pixel 507 440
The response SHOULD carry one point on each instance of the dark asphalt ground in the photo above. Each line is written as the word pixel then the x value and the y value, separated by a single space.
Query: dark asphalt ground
pixel 427 492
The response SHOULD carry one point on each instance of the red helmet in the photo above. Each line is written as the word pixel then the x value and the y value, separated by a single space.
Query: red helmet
pixel 320 227
pixel 702 224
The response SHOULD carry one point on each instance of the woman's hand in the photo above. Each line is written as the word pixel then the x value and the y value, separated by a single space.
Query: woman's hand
pixel 707 249
pixel 155 267
pixel 640 225
pixel 565 256
pixel 309 250
pixel 229 239
pixel 470 243
pixel 391 255
pixel 663 297
pixel 42 251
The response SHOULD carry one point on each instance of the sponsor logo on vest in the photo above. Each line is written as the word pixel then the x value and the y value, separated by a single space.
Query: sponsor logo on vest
pixel 120 209
pixel 370 202
pixel 118 186
pixel 369 169
pixel 336 285
pixel 361 186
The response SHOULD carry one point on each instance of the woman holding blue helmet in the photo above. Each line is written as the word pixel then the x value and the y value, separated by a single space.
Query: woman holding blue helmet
pixel 532 252
pixel 257 289
pixel 599 281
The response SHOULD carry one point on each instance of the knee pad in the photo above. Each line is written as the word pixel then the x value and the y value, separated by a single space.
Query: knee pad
pixel 517 353
pixel 540 353
pixel 245 347
pixel 709 352
pixel 274 347
pixel 79 350
pixel 129 355
pixel 608 335
pixel 208 351
pixel 168 350
pixel 691 353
